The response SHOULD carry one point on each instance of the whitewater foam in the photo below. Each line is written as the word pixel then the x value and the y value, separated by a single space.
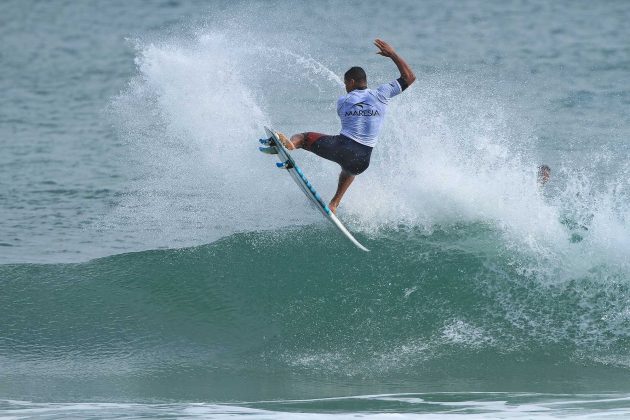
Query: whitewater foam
pixel 474 405
pixel 450 153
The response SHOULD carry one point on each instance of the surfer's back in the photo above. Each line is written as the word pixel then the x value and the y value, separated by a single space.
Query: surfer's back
pixel 362 112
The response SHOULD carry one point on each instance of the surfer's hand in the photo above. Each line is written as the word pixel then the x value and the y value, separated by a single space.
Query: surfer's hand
pixel 385 49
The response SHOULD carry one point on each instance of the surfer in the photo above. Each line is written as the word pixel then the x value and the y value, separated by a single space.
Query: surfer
pixel 361 111
pixel 544 173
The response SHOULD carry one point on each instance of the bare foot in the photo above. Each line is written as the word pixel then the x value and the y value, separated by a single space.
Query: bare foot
pixel 333 207
pixel 285 141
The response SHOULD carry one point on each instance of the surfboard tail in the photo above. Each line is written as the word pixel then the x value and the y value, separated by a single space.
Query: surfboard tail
pixel 345 231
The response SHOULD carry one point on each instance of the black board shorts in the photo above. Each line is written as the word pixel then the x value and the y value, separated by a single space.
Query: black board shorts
pixel 351 155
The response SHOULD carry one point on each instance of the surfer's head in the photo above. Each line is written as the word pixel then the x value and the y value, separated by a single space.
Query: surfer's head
pixel 355 78
pixel 544 173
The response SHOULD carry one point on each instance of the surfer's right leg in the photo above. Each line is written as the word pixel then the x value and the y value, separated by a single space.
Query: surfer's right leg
pixel 294 143
pixel 308 139
pixel 300 140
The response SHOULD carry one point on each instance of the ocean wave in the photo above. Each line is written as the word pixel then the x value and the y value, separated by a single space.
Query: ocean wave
pixel 297 303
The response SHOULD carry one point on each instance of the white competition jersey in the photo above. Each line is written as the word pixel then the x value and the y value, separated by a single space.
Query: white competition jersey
pixel 362 112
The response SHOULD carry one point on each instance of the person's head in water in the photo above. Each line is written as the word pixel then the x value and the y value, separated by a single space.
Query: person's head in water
pixel 544 173
pixel 355 78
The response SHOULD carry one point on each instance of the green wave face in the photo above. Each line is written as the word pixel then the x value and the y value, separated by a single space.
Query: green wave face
pixel 303 314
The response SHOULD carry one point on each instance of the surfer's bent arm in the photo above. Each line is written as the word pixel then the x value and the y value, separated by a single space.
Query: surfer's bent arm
pixel 406 74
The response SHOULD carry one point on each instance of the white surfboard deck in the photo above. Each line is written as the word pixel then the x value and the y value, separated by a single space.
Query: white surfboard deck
pixel 307 188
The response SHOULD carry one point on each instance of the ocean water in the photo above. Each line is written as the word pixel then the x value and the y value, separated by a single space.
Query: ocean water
pixel 153 264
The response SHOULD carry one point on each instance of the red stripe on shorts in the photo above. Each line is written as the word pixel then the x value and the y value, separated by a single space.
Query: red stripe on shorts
pixel 311 138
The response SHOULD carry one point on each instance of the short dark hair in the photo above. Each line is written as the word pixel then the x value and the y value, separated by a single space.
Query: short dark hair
pixel 356 73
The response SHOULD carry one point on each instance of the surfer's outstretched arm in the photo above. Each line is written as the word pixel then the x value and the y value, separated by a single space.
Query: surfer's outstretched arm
pixel 387 50
pixel 345 179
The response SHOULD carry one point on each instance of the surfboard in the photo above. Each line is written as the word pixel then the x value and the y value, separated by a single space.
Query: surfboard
pixel 288 163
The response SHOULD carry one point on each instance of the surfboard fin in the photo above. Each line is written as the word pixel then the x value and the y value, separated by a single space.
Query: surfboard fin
pixel 284 165
pixel 266 142
pixel 269 150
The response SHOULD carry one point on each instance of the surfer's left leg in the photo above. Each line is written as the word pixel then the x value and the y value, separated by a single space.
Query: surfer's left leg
pixel 345 179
